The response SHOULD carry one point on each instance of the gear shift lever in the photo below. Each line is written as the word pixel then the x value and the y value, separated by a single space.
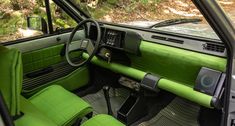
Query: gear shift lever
pixel 107 99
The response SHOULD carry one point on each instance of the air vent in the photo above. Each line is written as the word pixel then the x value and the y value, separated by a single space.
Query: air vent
pixel 168 39
pixel 159 37
pixel 175 41
pixel 214 47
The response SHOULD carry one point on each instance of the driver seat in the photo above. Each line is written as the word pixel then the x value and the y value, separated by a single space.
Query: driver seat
pixel 52 106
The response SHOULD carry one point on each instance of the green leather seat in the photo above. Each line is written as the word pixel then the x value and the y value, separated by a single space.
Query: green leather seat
pixel 102 120
pixel 53 106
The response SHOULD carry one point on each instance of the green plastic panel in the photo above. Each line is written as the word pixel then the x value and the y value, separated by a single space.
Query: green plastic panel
pixel 43 58
pixel 173 63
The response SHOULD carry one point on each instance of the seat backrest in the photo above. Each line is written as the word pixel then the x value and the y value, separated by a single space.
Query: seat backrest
pixel 11 76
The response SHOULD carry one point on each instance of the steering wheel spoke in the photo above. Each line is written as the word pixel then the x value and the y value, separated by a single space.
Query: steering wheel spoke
pixel 75 45
pixel 89 46
pixel 85 45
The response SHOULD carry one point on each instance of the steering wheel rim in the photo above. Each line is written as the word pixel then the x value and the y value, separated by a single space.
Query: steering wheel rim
pixel 97 42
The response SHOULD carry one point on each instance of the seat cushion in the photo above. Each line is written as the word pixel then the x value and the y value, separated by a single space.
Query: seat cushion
pixel 102 120
pixel 60 105
pixel 32 116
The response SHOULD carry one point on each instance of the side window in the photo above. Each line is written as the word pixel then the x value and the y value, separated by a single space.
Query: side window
pixel 13 18
pixel 27 18
pixel 60 19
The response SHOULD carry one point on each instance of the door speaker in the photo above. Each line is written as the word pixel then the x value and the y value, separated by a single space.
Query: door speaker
pixel 207 81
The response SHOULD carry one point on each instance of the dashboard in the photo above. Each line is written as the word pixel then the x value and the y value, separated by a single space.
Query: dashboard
pixel 127 39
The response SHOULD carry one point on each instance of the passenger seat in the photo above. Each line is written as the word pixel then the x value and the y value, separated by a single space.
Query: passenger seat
pixel 102 120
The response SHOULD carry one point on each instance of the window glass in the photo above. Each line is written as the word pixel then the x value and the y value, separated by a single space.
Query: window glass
pixel 13 18
pixel 229 8
pixel 60 19
pixel 24 18
pixel 145 13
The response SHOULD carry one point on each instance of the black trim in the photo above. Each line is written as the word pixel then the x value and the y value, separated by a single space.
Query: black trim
pixel 79 9
pixel 217 98
pixel 49 19
pixel 4 112
pixel 18 116
pixel 40 72
pixel 150 82
pixel 198 38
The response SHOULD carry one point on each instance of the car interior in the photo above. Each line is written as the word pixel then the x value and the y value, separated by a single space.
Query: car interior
pixel 113 75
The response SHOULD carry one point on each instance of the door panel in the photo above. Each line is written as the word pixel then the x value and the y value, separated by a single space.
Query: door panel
pixel 43 64
pixel 43 58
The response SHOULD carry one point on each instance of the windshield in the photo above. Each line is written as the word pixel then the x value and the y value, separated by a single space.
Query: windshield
pixel 145 13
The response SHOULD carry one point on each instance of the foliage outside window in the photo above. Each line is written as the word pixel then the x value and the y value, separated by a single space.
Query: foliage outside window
pixel 14 13
pixel 142 13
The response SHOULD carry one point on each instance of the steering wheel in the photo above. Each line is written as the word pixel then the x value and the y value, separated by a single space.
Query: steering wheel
pixel 84 45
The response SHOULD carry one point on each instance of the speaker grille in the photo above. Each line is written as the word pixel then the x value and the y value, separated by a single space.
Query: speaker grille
pixel 207 80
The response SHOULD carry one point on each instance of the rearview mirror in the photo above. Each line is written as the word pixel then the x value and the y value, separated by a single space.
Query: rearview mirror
pixel 37 23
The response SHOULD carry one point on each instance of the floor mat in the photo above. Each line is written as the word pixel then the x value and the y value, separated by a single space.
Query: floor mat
pixel 179 112
pixel 97 100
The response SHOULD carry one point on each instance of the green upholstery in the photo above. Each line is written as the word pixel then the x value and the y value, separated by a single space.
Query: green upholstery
pixel 11 78
pixel 74 80
pixel 185 91
pixel 53 106
pixel 102 120
pixel 44 57
pixel 60 105
pixel 177 88
pixel 32 116
pixel 174 63
pixel 118 68
pixel 177 67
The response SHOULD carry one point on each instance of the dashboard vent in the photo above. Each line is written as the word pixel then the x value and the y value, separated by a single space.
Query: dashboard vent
pixel 168 39
pixel 159 37
pixel 214 47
